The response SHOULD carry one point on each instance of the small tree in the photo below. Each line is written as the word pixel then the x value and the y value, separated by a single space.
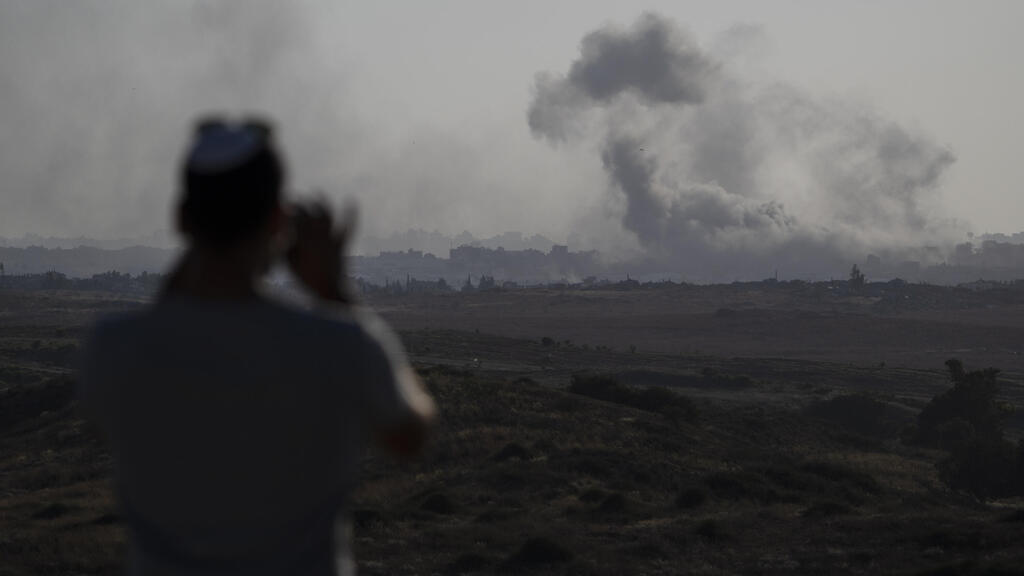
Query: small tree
pixel 967 422
pixel 856 278
pixel 969 404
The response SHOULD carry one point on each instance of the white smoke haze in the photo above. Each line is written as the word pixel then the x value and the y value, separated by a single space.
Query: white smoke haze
pixel 711 166
pixel 97 99
pixel 650 145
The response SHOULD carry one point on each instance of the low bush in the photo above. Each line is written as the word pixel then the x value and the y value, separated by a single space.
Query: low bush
pixel 967 422
pixel 593 495
pixel 614 503
pixel 983 469
pixel 438 504
pixel 729 381
pixel 691 498
pixel 711 530
pixel 785 481
pixel 826 509
pixel 469 562
pixel 511 451
pixel 736 485
pixel 651 399
pixel 19 404
pixel 972 400
pixel 837 473
pixel 862 415
pixel 53 510
pixel 539 551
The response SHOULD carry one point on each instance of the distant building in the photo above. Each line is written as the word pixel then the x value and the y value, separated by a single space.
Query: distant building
pixel 979 286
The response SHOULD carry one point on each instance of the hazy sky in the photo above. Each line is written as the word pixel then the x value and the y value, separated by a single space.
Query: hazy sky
pixel 419 109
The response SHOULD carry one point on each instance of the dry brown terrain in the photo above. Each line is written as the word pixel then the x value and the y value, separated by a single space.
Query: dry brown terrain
pixel 741 468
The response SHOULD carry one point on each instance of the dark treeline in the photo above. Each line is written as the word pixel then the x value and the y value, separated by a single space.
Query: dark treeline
pixel 111 281
pixel 990 260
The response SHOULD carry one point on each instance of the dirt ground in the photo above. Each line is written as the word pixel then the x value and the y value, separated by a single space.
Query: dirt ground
pixel 740 468
pixel 730 322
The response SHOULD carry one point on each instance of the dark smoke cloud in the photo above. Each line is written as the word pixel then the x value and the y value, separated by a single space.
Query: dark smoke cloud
pixel 655 61
pixel 714 166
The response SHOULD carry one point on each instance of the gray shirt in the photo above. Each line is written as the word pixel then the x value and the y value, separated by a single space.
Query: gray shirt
pixel 237 429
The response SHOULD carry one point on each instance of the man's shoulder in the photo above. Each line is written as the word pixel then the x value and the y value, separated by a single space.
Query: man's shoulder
pixel 303 324
pixel 338 321
pixel 292 323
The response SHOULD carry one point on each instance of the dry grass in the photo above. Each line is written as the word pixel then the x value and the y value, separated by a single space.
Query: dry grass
pixel 526 477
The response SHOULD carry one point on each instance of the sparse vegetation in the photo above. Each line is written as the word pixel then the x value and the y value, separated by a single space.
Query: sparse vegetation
pixel 710 529
pixel 862 414
pixel 651 399
pixel 438 503
pixel 792 466
pixel 692 497
pixel 512 451
pixel 539 551
pixel 717 379
pixel 826 509
pixel 970 404
pixel 967 422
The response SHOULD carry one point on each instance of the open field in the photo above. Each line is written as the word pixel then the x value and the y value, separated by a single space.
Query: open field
pixel 738 321
pixel 749 464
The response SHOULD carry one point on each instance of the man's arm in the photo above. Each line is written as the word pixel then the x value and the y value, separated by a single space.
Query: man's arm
pixel 401 410
pixel 410 434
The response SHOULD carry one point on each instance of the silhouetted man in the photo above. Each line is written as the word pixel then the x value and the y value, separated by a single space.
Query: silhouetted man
pixel 236 423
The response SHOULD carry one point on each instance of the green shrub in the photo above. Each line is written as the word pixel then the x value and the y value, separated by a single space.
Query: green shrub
pixel 862 415
pixel 971 399
pixel 654 398
pixel 593 495
pixel 967 422
pixel 599 386
pixel 53 510
pixel 469 562
pixel 955 435
pixel 614 503
pixel 540 551
pixel 651 399
pixel 24 403
pixel 691 498
pixel 438 504
pixel 511 451
pixel 983 469
pixel 711 530
pixel 826 509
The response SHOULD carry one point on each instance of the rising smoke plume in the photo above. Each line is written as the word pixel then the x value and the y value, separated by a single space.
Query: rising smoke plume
pixel 712 167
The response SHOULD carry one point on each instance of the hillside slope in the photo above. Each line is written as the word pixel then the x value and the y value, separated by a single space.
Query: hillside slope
pixel 523 477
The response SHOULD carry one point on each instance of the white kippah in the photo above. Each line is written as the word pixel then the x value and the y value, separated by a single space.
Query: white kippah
pixel 222 147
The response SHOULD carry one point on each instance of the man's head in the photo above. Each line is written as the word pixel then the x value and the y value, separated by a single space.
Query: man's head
pixel 231 187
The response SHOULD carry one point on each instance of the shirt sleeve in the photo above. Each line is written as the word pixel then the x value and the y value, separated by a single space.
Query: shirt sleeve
pixel 388 381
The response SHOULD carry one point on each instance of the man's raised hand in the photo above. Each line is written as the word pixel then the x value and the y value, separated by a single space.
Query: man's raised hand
pixel 317 253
